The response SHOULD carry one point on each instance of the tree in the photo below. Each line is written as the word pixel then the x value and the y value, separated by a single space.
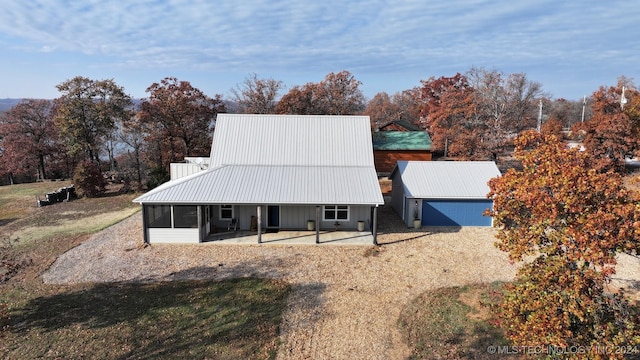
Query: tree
pixel 565 222
pixel 448 115
pixel 337 94
pixel 612 132
pixel 179 120
pixel 257 96
pixel 506 104
pixel 29 138
pixel 87 113
pixel 384 109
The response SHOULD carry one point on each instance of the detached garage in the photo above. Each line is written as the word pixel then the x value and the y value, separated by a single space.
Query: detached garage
pixel 443 193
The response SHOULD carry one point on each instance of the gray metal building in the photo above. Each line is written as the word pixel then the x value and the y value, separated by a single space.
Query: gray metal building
pixel 271 172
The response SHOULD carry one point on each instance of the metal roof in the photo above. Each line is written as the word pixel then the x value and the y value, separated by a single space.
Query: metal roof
pixel 446 179
pixel 282 159
pixel 251 184
pixel 401 140
pixel 305 140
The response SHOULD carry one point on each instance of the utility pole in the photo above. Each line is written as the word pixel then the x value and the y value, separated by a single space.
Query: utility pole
pixel 584 103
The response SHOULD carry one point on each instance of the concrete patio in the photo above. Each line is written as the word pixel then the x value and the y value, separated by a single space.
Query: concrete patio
pixel 292 238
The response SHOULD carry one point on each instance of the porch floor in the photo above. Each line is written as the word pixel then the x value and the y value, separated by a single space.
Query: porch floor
pixel 285 237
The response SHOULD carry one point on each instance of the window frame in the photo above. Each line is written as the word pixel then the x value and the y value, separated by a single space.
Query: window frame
pixel 225 207
pixel 336 209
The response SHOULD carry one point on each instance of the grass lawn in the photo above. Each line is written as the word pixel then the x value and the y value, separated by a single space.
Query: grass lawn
pixel 454 323
pixel 233 319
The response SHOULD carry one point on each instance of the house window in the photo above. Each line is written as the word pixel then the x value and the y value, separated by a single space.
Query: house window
pixel 185 216
pixel 158 216
pixel 226 212
pixel 336 212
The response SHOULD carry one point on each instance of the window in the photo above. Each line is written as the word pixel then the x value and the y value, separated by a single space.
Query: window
pixel 336 212
pixel 185 216
pixel 226 212
pixel 158 216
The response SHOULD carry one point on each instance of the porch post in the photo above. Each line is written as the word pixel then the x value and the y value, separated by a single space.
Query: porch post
pixel 317 224
pixel 375 225
pixel 200 229
pixel 259 213
pixel 145 226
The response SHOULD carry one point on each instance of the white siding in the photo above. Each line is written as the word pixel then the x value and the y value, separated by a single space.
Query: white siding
pixel 180 170
pixel 178 236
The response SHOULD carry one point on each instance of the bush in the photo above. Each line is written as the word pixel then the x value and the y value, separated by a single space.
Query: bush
pixel 88 178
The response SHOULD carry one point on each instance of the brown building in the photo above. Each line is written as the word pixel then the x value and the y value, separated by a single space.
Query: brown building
pixel 389 147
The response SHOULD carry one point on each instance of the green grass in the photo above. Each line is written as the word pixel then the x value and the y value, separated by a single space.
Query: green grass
pixel 453 323
pixel 232 319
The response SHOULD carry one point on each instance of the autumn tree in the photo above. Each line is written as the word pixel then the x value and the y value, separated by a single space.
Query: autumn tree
pixel 87 114
pixel 179 121
pixel 506 104
pixel 564 222
pixel 383 109
pixel 338 94
pixel 448 115
pixel 257 96
pixel 612 132
pixel 29 139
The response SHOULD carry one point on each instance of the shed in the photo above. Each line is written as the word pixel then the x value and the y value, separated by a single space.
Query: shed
pixel 443 193
pixel 390 147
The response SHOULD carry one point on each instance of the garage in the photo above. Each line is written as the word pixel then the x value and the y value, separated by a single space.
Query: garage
pixel 442 193
pixel 455 212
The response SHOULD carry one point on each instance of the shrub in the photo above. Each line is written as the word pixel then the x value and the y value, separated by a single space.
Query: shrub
pixel 88 178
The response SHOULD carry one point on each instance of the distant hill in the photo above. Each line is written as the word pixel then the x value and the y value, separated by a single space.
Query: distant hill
pixel 6 104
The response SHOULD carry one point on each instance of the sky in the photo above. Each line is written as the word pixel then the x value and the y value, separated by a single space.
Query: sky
pixel 571 47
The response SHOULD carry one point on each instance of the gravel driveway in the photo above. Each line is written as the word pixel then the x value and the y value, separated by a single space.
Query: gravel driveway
pixel 347 299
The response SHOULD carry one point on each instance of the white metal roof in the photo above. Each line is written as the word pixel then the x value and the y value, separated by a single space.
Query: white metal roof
pixel 305 140
pixel 446 179
pixel 282 159
pixel 249 184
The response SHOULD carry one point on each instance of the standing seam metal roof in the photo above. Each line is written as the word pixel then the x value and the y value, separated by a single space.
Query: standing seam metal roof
pixel 276 159
pixel 446 179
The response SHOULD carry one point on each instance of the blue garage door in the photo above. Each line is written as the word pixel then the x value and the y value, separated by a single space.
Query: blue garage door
pixel 455 212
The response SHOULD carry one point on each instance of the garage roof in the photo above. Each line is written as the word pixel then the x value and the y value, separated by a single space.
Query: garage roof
pixel 445 179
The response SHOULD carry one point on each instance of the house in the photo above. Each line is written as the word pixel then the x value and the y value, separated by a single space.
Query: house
pixel 443 193
pixel 270 173
pixel 398 125
pixel 392 146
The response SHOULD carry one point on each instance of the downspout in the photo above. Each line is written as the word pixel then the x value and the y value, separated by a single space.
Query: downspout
pixel 375 225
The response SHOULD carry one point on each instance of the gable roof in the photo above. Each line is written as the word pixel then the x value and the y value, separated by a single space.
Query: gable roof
pixel 401 140
pixel 401 125
pixel 282 159
pixel 446 179
pixel 302 140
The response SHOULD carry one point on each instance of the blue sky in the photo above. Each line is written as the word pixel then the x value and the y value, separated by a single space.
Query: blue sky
pixel 570 47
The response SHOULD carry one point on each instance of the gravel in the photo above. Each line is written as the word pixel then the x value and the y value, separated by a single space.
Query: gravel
pixel 346 299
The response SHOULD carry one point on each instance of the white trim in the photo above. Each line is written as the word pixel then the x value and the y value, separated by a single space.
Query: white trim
pixel 336 208
pixel 233 212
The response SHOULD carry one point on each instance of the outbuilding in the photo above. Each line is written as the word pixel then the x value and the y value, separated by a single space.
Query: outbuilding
pixel 443 193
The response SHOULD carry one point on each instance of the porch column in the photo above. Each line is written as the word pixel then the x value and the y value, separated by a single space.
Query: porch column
pixel 200 225
pixel 317 224
pixel 375 225
pixel 259 214
pixel 145 226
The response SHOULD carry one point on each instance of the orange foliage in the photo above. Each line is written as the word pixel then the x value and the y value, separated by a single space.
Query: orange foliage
pixel 565 222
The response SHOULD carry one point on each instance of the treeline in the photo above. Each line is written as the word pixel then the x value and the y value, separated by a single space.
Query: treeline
pixel 94 128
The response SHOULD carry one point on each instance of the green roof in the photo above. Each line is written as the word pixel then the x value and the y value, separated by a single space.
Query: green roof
pixel 401 140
